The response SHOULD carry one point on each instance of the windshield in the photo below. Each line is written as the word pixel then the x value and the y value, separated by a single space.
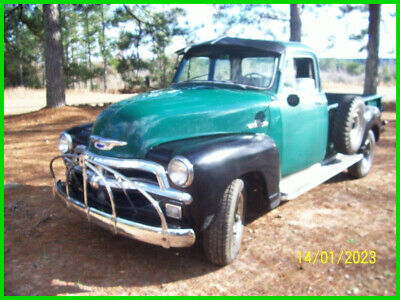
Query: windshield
pixel 250 71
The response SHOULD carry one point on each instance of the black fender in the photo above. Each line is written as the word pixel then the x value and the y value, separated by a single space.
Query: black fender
pixel 372 117
pixel 217 161
pixel 80 134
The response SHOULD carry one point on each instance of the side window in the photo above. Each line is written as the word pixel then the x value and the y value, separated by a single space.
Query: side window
pixel 305 74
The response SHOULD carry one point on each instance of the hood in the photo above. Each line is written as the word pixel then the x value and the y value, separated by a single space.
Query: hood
pixel 161 116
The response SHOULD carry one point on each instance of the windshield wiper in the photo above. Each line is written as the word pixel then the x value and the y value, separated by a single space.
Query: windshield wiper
pixel 191 79
pixel 243 86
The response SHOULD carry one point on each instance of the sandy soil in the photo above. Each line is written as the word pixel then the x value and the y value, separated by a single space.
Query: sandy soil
pixel 24 100
pixel 49 251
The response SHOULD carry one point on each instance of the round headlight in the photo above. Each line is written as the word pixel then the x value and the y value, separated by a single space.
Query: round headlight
pixel 180 171
pixel 64 142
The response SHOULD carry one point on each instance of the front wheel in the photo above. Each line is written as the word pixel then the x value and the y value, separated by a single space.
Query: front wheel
pixel 222 239
pixel 363 167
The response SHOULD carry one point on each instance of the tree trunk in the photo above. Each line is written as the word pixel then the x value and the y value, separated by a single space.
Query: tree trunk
pixel 103 48
pixel 20 74
pixel 89 50
pixel 73 77
pixel 164 68
pixel 371 68
pixel 295 22
pixel 20 70
pixel 66 49
pixel 53 51
pixel 105 74
pixel 90 68
pixel 66 63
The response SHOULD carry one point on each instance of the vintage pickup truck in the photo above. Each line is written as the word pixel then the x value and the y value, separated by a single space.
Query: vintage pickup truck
pixel 243 120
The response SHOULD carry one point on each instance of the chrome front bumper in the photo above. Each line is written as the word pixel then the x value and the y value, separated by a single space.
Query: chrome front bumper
pixel 162 236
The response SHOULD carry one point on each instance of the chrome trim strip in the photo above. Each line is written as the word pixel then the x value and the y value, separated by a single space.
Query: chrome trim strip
pixel 257 124
pixel 333 106
pixel 169 192
pixel 153 202
pixel 148 187
pixel 153 235
pixel 109 192
pixel 107 143
pixel 138 164
pixel 84 173
pixel 79 149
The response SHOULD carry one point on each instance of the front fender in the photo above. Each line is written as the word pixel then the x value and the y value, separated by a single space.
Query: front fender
pixel 217 161
pixel 80 134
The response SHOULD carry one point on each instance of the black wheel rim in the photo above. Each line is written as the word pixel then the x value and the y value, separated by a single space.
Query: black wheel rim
pixel 368 153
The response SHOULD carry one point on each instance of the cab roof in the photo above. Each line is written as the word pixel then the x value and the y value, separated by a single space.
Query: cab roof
pixel 236 44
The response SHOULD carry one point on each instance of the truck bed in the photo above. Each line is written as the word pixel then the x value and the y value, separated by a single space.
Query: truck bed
pixel 335 98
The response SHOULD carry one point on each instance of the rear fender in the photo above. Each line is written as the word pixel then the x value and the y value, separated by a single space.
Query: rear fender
pixel 373 121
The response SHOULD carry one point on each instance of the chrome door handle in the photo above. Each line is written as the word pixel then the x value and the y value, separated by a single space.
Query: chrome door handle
pixel 257 124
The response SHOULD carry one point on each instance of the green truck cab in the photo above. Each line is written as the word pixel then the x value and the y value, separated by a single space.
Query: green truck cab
pixel 244 120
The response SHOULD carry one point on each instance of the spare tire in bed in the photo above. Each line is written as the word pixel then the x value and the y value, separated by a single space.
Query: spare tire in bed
pixel 349 125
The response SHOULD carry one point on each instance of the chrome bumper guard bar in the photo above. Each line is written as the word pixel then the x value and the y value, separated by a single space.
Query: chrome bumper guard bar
pixel 162 236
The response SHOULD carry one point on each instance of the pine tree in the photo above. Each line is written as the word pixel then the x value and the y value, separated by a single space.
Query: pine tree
pixel 372 64
pixel 104 41
pixel 23 50
pixel 53 50
pixel 371 68
pixel 295 22
pixel 260 15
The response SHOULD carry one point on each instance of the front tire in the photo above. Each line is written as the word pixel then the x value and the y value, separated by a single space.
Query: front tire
pixel 222 239
pixel 363 167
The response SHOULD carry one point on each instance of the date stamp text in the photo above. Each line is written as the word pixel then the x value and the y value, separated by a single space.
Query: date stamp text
pixel 330 257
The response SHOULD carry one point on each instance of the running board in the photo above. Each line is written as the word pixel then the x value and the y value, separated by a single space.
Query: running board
pixel 298 183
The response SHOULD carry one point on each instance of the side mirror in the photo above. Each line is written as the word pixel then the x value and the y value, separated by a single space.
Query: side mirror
pixel 293 100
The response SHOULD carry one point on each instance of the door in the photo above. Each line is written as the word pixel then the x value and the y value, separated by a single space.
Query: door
pixel 303 115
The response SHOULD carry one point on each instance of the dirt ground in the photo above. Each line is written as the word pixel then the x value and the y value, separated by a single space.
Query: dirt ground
pixel 50 251
pixel 22 100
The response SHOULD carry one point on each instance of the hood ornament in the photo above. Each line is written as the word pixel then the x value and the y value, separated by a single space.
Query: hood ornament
pixel 105 143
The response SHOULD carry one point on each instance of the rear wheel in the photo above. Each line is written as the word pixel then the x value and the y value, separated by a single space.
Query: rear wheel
pixel 223 238
pixel 363 167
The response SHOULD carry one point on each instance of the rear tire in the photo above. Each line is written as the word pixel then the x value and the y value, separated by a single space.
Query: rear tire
pixel 363 167
pixel 222 239
pixel 348 126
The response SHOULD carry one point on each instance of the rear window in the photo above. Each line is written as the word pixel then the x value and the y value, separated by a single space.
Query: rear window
pixel 222 69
